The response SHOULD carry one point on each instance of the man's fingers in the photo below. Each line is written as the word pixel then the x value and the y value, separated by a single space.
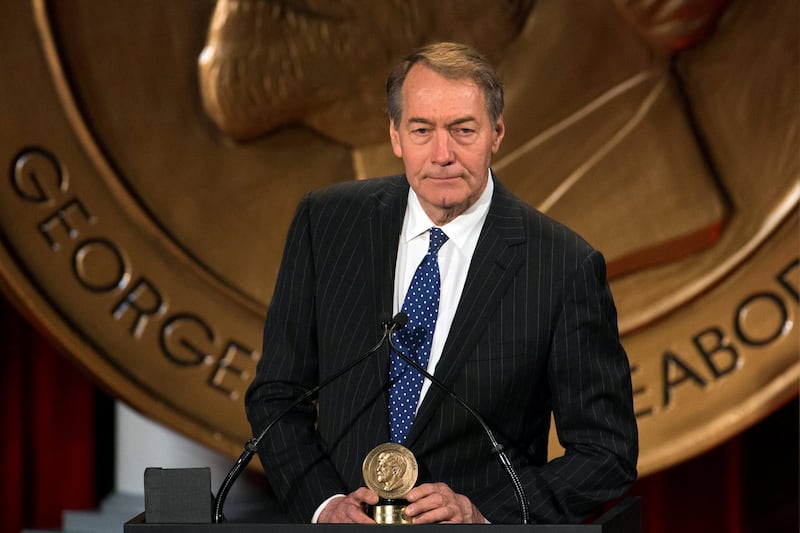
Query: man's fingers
pixel 437 503
pixel 364 495
pixel 349 509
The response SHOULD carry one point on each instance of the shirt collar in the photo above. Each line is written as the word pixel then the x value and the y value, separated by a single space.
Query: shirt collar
pixel 459 229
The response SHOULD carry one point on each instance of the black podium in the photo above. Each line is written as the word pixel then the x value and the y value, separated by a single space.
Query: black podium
pixel 625 517
pixel 180 500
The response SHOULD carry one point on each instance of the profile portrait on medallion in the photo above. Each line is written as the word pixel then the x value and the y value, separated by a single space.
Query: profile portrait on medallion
pixel 390 470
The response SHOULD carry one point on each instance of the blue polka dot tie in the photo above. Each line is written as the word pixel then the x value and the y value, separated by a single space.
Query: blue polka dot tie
pixel 422 307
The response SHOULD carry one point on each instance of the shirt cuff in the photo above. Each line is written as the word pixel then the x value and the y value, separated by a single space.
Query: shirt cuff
pixel 322 506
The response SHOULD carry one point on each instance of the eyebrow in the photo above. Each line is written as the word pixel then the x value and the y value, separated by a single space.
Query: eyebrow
pixel 456 122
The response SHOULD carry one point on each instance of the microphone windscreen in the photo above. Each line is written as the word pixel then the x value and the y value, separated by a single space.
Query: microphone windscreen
pixel 400 319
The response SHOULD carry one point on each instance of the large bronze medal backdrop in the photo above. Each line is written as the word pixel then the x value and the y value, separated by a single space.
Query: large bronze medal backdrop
pixel 154 152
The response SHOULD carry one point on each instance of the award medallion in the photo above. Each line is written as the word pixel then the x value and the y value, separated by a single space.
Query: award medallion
pixel 391 471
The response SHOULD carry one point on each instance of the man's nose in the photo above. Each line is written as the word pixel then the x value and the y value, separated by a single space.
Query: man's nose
pixel 442 149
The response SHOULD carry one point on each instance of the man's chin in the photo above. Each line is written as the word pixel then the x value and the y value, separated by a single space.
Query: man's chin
pixel 446 194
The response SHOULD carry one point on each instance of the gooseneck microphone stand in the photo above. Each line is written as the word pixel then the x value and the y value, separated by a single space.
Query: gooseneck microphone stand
pixel 251 447
pixel 389 327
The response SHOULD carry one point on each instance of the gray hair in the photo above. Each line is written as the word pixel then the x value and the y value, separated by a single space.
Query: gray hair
pixel 453 61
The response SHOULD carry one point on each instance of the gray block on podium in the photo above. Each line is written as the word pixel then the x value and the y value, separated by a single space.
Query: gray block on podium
pixel 178 496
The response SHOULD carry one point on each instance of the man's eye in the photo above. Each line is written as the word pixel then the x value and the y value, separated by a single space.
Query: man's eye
pixel 420 131
pixel 463 132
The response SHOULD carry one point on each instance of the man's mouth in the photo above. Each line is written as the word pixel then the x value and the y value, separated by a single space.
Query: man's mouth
pixel 444 178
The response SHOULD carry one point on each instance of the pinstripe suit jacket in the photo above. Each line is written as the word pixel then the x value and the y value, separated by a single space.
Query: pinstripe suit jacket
pixel 535 332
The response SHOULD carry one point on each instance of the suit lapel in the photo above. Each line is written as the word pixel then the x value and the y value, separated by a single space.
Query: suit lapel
pixel 496 260
pixel 382 232
pixel 381 235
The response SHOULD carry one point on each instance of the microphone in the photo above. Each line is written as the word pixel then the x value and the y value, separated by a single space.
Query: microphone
pixel 251 446
pixel 398 321
pixel 497 448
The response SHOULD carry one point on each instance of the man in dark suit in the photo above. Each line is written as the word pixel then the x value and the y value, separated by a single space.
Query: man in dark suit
pixel 523 325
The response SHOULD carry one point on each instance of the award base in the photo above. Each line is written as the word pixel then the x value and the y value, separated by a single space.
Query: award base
pixel 390 512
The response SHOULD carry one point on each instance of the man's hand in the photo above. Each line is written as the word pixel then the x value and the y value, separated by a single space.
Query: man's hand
pixel 437 503
pixel 350 509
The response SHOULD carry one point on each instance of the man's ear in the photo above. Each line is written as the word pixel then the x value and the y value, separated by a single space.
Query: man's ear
pixel 394 135
pixel 498 133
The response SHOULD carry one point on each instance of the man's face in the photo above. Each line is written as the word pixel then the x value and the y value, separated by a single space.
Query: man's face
pixel 388 474
pixel 382 471
pixel 446 141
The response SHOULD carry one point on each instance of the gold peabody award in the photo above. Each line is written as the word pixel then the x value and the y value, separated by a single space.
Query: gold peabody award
pixel 154 153
pixel 390 470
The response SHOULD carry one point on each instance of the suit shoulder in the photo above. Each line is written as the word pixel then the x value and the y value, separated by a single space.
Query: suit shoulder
pixel 358 190
pixel 560 231
pixel 566 251
pixel 350 200
pixel 547 230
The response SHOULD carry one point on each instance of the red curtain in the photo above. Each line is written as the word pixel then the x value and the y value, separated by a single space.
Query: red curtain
pixel 47 437
pixel 748 484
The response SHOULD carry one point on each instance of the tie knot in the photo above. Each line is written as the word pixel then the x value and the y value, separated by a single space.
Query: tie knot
pixel 438 238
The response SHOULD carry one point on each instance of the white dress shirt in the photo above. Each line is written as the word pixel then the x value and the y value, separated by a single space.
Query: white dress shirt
pixel 455 256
